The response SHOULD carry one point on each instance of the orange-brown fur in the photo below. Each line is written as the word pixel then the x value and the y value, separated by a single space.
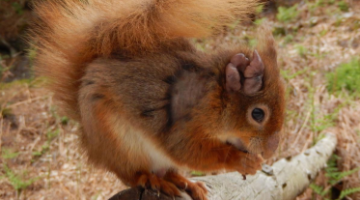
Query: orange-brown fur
pixel 149 103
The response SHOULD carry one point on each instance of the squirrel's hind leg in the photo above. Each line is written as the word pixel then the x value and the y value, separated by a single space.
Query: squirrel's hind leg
pixel 196 190
pixel 152 181
pixel 170 184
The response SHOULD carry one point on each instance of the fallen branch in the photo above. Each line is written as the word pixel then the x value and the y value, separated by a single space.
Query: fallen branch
pixel 285 180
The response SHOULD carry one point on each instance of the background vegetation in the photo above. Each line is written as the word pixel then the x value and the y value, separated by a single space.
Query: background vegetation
pixel 319 54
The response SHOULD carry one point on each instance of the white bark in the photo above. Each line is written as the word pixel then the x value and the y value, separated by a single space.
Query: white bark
pixel 287 178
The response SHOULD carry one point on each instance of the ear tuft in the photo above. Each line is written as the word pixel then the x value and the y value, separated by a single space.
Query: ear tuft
pixel 266 43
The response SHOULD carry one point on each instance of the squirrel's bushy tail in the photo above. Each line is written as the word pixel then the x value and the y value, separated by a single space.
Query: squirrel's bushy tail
pixel 69 33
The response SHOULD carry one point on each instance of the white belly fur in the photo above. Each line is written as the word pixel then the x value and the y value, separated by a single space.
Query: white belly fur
pixel 136 143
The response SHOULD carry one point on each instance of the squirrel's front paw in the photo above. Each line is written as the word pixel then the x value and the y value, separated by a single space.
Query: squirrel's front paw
pixel 246 163
pixel 249 164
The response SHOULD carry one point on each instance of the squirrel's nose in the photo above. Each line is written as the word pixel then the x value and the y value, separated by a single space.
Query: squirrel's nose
pixel 271 145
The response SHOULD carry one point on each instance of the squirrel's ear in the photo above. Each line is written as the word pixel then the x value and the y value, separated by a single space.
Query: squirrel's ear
pixel 253 75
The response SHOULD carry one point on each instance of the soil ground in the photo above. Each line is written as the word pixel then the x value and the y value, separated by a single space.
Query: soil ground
pixel 40 158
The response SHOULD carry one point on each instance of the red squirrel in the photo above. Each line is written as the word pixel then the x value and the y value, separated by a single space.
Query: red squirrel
pixel 149 103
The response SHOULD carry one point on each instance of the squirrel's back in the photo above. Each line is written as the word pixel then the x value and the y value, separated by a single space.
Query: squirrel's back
pixel 69 34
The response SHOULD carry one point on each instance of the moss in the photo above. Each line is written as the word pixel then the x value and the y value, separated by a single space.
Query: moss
pixel 287 14
pixel 345 77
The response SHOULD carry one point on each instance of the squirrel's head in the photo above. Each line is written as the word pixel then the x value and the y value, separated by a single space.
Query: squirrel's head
pixel 254 103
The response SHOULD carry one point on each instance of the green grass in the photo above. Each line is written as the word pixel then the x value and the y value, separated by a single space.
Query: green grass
pixel 44 148
pixel 302 50
pixel 16 82
pixel 343 6
pixel 323 32
pixel 259 22
pixel 64 120
pixel 18 181
pixel 197 173
pixel 287 14
pixel 319 121
pixel 8 153
pixel 288 39
pixel 50 135
pixel 334 177
pixel 259 9
pixel 345 77
pixel 288 75
pixel 315 5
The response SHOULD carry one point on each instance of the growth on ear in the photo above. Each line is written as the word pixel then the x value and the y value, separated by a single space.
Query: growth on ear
pixel 253 75
pixel 250 71
pixel 232 78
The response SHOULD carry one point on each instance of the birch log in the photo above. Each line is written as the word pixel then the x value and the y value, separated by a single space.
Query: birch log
pixel 285 180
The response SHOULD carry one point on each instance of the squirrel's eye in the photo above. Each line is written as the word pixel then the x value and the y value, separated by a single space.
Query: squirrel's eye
pixel 258 115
